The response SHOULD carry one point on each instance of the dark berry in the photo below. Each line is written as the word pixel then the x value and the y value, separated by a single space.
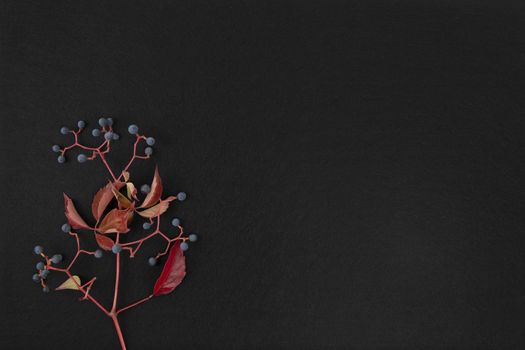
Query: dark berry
pixel 184 246
pixel 108 136
pixel 61 159
pixel 102 122
pixel 64 130
pixel 133 129
pixel 81 158
pixel 117 248
pixel 98 253
pixel 55 148
pixel 192 237
pixel 81 124
pixel 66 228
pixel 152 261
pixel 146 226
pixel 145 189
pixel 110 121
pixel 175 222
pixel 40 265
pixel 95 132
pixel 38 249
pixel 45 289
pixel 181 196
pixel 55 259
pixel 44 273
pixel 36 278
pixel 150 141
pixel 148 151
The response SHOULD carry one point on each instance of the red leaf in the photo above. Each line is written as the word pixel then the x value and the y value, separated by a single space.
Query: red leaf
pixel 72 215
pixel 116 221
pixel 156 191
pixel 102 198
pixel 173 272
pixel 104 242
pixel 157 209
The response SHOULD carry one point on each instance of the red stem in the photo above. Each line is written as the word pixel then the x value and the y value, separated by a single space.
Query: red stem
pixel 119 331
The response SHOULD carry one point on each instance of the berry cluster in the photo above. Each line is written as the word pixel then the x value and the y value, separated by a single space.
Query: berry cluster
pixel 111 223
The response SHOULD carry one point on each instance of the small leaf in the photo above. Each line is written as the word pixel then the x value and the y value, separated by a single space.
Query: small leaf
pixel 173 272
pixel 158 209
pixel 116 221
pixel 156 191
pixel 126 176
pixel 75 220
pixel 71 283
pixel 122 200
pixel 104 242
pixel 131 190
pixel 102 198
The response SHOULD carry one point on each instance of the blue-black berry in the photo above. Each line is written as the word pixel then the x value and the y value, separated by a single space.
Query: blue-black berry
pixel 152 261
pixel 98 253
pixel 55 148
pixel 56 258
pixel 110 121
pixel 45 289
pixel 102 122
pixel 38 249
pixel 36 278
pixel 40 265
pixel 133 129
pixel 175 222
pixel 184 246
pixel 117 248
pixel 181 196
pixel 150 141
pixel 145 189
pixel 108 136
pixel 81 158
pixel 148 151
pixel 192 237
pixel 44 273
pixel 146 225
pixel 66 228
pixel 81 124
pixel 95 132
pixel 116 136
pixel 61 159
pixel 64 130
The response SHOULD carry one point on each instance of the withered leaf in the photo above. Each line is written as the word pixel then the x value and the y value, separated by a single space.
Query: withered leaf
pixel 116 221
pixel 102 198
pixel 71 283
pixel 157 209
pixel 74 219
pixel 104 242
pixel 156 191
pixel 122 200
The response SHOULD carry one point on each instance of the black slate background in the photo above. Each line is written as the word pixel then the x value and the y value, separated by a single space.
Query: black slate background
pixel 355 170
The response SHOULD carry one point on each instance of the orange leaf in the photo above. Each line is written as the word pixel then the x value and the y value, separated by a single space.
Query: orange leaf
pixel 75 220
pixel 156 191
pixel 102 199
pixel 104 242
pixel 122 200
pixel 158 209
pixel 116 221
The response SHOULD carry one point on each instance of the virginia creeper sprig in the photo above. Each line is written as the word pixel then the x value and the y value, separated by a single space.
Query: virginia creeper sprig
pixel 111 225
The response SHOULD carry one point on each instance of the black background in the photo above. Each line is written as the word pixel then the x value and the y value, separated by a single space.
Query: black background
pixel 355 170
